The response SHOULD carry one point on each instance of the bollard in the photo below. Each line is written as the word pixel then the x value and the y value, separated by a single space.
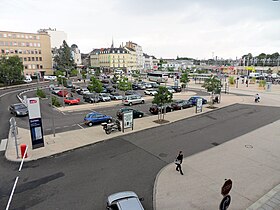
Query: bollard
pixel 22 150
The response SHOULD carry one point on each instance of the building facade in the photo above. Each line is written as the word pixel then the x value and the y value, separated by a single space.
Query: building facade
pixel 139 54
pixel 34 50
pixel 76 54
pixel 57 37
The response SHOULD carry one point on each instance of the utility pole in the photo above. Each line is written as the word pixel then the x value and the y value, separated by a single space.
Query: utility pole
pixel 53 128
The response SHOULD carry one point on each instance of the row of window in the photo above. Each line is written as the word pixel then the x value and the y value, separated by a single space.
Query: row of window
pixel 19 51
pixel 108 52
pixel 32 59
pixel 21 44
pixel 19 36
pixel 33 66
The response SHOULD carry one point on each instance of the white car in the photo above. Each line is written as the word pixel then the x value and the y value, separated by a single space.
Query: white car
pixel 170 89
pixel 50 77
pixel 27 79
pixel 124 201
pixel 104 97
pixel 150 92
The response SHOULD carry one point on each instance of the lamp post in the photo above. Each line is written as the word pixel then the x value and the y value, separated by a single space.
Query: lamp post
pixel 53 128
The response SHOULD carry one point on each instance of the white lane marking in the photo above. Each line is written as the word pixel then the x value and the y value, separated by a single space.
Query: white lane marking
pixel 80 126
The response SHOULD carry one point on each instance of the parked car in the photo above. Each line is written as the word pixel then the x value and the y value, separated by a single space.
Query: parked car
pixel 136 113
pixel 135 86
pixel 62 93
pixel 124 201
pixel 142 86
pixel 150 92
pixel 69 84
pixel 131 92
pixel 55 90
pixel 91 98
pixel 148 85
pixel 170 89
pixel 133 99
pixel 74 88
pixel 71 100
pixel 96 118
pixel 82 90
pixel 193 100
pixel 181 104
pixel 116 96
pixel 154 84
pixel 104 97
pixel 18 109
pixel 154 109
pixel 176 88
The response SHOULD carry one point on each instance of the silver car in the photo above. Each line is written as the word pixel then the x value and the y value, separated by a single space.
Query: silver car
pixel 124 201
pixel 133 99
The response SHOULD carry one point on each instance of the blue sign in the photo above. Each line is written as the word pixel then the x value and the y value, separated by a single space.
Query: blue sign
pixel 36 131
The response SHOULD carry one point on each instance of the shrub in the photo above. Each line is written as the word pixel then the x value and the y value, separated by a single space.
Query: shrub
pixel 55 102
pixel 231 80
pixel 262 83
pixel 40 93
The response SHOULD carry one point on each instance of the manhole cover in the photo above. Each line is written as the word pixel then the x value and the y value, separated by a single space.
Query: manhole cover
pixel 249 146
pixel 162 155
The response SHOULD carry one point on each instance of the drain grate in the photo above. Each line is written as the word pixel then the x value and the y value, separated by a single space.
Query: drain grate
pixel 215 143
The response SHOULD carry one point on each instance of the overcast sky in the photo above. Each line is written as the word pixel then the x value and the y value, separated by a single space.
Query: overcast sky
pixel 164 28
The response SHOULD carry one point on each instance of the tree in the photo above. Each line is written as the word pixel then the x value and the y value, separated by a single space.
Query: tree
pixel 161 99
pixel 185 79
pixel 124 84
pixel 97 71
pixel 213 85
pixel 63 59
pixel 95 85
pixel 11 69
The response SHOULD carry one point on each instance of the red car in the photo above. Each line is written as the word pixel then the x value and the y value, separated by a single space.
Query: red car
pixel 62 93
pixel 71 100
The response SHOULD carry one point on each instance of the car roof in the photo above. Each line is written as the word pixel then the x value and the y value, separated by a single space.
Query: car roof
pixel 130 203
pixel 121 195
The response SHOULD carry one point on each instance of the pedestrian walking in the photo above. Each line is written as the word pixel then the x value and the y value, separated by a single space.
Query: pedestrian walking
pixel 178 162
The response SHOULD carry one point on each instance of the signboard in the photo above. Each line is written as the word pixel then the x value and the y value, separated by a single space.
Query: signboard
pixel 127 120
pixel 226 187
pixel 33 106
pixel 225 203
pixel 198 105
pixel 35 122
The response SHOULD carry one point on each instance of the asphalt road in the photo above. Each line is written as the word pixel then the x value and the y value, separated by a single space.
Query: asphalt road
pixel 83 178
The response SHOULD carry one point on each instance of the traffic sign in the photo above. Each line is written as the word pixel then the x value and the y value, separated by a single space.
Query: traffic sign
pixel 225 203
pixel 226 187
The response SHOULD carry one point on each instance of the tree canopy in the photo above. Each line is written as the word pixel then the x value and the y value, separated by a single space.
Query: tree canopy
pixel 11 70
pixel 162 97
pixel 95 85
pixel 63 58
pixel 212 84
pixel 124 84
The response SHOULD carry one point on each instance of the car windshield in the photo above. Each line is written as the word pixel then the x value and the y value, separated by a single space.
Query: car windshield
pixel 20 106
pixel 71 98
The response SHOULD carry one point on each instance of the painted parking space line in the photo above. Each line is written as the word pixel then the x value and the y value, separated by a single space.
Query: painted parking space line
pixel 80 126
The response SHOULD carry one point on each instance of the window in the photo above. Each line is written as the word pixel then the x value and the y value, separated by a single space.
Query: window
pixel 1 35
pixel 25 67
pixel 36 52
pixel 30 37
pixel 22 35
pixel 37 59
pixel 29 59
pixel 14 36
pixel 18 35
pixel 7 51
pixel 41 66
pixel 2 51
pixel 20 51
pixel 1 43
pixel 38 66
pixel 15 43
pixel 33 59
pixel 40 58
pixel 9 35
pixel 12 51
pixel 23 44
pixel 39 51
pixel 29 66
pixel 25 59
pixel 35 44
pixel 16 51
pixel 31 44
pixel 32 52
pixel 33 66
pixel 26 36
pixel 27 44
pixel 4 35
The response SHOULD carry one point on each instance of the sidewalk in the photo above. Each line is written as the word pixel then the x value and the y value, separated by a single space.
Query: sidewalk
pixel 254 171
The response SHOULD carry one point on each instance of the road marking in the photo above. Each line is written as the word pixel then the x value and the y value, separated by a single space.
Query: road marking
pixel 80 126
pixel 65 126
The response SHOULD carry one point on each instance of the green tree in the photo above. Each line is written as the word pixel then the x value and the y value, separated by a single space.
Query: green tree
pixel 231 80
pixel 97 71
pixel 124 84
pixel 95 85
pixel 74 72
pixel 161 99
pixel 63 59
pixel 184 79
pixel 213 85
pixel 11 70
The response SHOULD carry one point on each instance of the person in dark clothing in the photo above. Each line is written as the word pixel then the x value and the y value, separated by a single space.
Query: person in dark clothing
pixel 178 162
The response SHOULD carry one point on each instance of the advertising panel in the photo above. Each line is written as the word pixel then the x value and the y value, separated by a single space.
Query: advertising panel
pixel 127 120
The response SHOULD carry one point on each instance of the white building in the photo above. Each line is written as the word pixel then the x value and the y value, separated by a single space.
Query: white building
pixel 139 54
pixel 57 37
pixel 76 54
pixel 150 62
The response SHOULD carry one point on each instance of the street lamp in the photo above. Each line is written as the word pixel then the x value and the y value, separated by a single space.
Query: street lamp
pixel 53 128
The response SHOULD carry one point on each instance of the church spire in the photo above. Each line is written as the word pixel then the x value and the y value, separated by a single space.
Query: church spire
pixel 112 46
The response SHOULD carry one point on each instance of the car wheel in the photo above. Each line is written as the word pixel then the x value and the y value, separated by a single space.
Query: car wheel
pixel 130 104
pixel 143 102
pixel 91 102
pixel 90 124
pixel 109 120
pixel 140 115
pixel 181 108
pixel 108 131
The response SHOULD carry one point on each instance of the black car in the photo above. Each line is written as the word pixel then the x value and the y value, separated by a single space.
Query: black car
pixel 91 98
pixel 136 113
pixel 193 100
pixel 181 104
pixel 135 87
pixel 154 109
pixel 18 109
pixel 176 88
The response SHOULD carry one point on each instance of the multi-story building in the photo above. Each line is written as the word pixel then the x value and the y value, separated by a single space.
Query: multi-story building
pixel 150 62
pixel 34 49
pixel 139 54
pixel 57 37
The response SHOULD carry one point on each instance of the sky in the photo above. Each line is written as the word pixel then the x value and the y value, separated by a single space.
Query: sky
pixel 197 29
